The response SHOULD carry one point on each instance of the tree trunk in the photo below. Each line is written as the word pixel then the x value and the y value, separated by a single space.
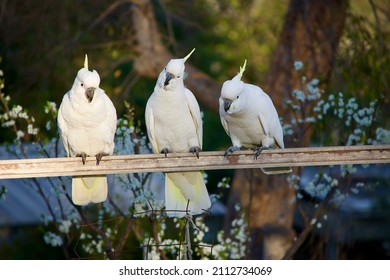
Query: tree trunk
pixel 311 33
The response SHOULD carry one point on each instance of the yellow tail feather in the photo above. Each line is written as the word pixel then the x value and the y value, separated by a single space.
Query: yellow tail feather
pixel 185 191
pixel 88 189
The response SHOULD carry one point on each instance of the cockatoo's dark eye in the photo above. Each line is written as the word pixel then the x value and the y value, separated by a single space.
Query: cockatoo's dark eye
pixel 178 77
pixel 238 96
pixel 82 84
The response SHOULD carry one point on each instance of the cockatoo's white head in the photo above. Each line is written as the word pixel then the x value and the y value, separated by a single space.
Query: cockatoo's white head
pixel 86 83
pixel 173 73
pixel 231 92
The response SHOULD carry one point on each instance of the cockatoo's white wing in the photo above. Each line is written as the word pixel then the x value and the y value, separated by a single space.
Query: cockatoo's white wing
pixel 270 122
pixel 149 120
pixel 224 123
pixel 268 116
pixel 111 115
pixel 195 113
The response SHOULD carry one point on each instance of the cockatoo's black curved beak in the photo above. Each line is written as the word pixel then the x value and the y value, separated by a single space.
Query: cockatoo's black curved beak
pixel 89 93
pixel 168 77
pixel 226 104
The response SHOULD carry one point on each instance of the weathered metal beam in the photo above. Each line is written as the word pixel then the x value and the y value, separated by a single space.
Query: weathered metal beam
pixel 313 156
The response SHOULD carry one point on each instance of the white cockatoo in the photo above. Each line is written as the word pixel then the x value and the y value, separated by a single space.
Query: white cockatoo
pixel 174 124
pixel 87 123
pixel 249 117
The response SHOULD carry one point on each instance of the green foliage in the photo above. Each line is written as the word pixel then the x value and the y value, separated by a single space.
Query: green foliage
pixel 229 31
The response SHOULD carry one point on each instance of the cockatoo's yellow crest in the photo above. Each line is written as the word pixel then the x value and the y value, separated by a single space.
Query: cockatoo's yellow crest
pixel 188 55
pixel 242 69
pixel 86 62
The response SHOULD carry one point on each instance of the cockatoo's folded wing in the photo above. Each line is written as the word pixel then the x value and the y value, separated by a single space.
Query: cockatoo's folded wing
pixel 195 113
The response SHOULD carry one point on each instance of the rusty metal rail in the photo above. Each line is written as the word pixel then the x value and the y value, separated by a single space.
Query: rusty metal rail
pixel 313 156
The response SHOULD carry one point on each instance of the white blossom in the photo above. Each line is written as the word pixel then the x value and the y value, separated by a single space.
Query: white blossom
pixel 53 239
pixel 19 134
pixel 299 95
pixel 64 226
pixel 31 130
pixel 298 65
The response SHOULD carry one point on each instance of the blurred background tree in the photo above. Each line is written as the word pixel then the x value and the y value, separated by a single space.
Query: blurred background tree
pixel 345 44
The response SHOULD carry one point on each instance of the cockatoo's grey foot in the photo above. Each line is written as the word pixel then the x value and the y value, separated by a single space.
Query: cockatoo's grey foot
pixel 99 157
pixel 231 150
pixel 195 150
pixel 83 157
pixel 258 151
pixel 165 151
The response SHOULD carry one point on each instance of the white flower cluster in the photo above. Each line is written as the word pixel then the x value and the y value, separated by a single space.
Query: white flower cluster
pixel 312 92
pixel 287 128
pixel 64 226
pixel 224 183
pixel 52 239
pixel 127 141
pixel 293 181
pixel 235 246
pixel 145 203
pixel 382 136
pixel 9 118
pixel 95 244
pixel 205 177
pixel 298 65
pixel 320 186
pixel 152 250
pixel 318 221
pixel 347 169
pixel 51 108
pixel 301 100
pixel 352 115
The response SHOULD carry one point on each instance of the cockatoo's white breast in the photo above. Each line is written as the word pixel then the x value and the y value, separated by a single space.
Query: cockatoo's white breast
pixel 174 125
pixel 88 127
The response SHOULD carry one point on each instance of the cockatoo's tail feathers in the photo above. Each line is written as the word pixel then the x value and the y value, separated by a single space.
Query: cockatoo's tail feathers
pixel 86 62
pixel 89 189
pixel 188 55
pixel 185 191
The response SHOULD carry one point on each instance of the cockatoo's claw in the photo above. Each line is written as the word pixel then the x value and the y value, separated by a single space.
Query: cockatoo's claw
pixel 83 157
pixel 165 151
pixel 195 150
pixel 258 150
pixel 99 157
pixel 231 150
